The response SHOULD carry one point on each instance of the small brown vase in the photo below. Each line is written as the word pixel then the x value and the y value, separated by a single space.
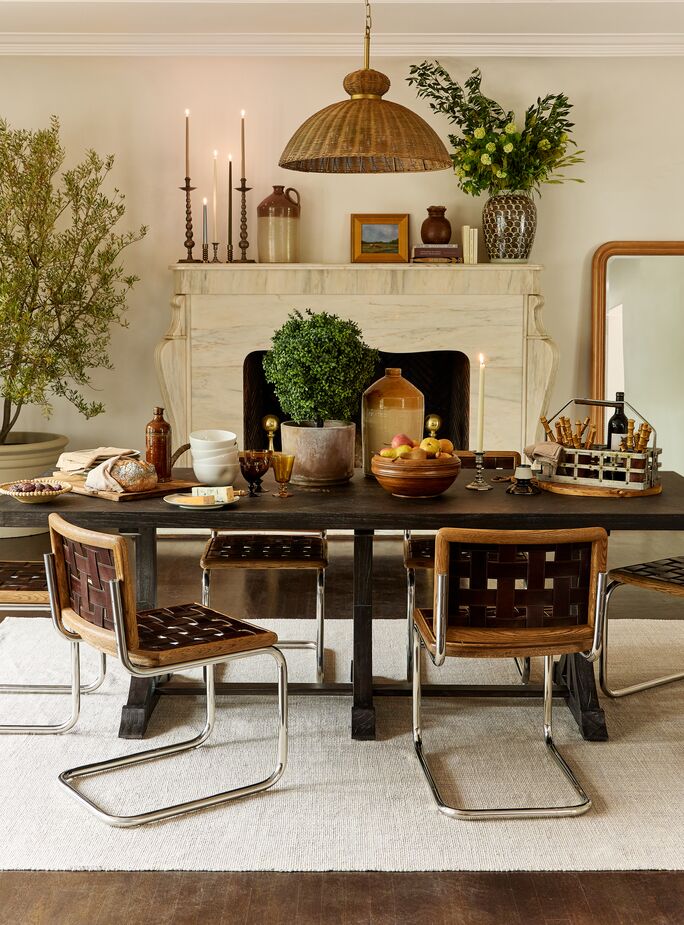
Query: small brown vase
pixel 436 229
pixel 509 222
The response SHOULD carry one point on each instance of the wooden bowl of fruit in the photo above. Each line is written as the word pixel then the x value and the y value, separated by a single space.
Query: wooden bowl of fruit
pixel 417 470
pixel 35 491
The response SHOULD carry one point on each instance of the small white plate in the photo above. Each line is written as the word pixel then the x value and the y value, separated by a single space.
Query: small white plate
pixel 179 501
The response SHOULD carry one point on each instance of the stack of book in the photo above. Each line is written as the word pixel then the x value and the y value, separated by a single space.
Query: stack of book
pixel 436 253
pixel 469 237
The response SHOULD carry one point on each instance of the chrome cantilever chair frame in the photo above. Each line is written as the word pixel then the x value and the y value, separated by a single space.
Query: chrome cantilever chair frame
pixel 476 813
pixel 67 724
pixel 68 777
pixel 603 664
pixel 317 645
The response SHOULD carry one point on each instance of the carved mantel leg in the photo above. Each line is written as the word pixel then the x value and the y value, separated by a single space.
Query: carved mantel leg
pixel 171 362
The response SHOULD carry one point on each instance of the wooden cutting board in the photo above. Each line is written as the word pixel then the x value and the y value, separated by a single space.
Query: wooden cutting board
pixel 77 483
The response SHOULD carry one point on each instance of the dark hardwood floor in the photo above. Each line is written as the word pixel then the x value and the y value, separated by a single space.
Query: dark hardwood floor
pixel 177 898
pixel 193 898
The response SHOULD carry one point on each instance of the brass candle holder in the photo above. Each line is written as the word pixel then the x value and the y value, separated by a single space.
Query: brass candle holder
pixel 479 483
pixel 215 246
pixel 189 242
pixel 270 424
pixel 205 253
pixel 243 189
pixel 229 253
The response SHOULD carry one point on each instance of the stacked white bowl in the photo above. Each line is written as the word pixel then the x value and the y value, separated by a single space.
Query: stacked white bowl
pixel 214 456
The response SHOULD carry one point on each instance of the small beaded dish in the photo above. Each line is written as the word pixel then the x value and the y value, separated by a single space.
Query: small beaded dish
pixel 20 490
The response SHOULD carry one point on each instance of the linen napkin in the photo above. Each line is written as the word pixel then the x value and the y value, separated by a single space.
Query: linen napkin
pixel 77 460
pixel 101 479
pixel 547 452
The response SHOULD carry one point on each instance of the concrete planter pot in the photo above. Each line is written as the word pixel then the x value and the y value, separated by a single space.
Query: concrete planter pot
pixel 26 455
pixel 323 455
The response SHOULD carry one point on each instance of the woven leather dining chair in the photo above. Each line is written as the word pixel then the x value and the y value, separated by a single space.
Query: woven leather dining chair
pixel 419 552
pixel 93 601
pixel 23 592
pixel 298 551
pixel 491 602
pixel 664 575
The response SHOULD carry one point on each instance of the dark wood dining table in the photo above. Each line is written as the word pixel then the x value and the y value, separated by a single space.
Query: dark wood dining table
pixel 364 507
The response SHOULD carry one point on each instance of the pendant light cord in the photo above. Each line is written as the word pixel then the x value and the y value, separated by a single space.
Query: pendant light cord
pixel 367 36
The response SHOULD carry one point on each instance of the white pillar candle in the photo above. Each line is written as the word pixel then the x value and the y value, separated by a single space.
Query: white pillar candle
pixel 187 142
pixel 480 407
pixel 215 194
pixel 204 223
pixel 242 143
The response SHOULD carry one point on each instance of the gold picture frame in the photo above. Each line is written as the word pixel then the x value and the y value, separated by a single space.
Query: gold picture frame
pixel 380 237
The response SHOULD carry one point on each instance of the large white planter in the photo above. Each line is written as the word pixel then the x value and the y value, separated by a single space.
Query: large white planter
pixel 323 455
pixel 26 455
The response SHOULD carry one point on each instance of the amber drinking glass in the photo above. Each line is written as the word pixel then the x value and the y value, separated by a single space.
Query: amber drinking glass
pixel 282 470
pixel 254 466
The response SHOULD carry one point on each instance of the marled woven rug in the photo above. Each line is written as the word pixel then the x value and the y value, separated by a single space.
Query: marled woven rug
pixel 345 805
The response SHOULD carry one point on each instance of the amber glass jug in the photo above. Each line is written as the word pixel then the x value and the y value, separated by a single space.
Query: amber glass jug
pixel 278 226
pixel 389 407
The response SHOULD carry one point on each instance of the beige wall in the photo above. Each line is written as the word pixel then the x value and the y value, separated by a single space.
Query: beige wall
pixel 627 120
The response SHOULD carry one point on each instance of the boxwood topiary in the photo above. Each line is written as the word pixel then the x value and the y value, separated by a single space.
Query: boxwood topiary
pixel 319 366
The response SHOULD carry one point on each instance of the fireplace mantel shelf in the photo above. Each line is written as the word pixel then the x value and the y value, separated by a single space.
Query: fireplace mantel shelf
pixel 223 312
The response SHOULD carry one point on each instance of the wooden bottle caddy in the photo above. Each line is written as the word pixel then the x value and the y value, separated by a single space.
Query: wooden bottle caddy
pixel 629 472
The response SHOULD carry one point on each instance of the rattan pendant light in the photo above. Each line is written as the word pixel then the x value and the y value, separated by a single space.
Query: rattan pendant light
pixel 365 134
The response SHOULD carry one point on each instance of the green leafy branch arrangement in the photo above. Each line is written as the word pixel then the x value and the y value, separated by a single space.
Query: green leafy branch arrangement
pixel 492 152
pixel 62 285
pixel 319 367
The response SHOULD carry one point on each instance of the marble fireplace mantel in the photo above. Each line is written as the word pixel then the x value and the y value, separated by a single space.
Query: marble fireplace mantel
pixel 221 313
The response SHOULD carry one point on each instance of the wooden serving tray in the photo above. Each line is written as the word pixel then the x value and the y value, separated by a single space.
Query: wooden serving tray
pixel 588 491
pixel 77 483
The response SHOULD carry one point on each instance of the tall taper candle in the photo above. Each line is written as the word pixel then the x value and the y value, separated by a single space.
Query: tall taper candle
pixel 187 142
pixel 230 200
pixel 205 236
pixel 480 407
pixel 215 194
pixel 242 143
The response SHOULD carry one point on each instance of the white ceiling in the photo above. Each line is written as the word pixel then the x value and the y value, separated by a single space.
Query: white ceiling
pixel 334 27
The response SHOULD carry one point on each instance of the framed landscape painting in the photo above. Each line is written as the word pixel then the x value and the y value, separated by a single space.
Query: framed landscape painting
pixel 380 238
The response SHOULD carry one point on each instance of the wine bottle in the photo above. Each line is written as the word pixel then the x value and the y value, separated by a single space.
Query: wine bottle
pixel 617 428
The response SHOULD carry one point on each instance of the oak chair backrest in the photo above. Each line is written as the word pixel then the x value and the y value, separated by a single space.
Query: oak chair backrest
pixel 521 578
pixel 85 562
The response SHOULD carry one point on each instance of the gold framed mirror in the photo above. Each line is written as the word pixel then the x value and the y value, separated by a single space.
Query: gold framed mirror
pixel 638 335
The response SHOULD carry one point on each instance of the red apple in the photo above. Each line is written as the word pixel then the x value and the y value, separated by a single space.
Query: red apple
pixel 402 440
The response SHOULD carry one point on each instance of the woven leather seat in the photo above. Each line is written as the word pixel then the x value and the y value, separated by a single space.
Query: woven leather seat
pixel 93 602
pixel 23 583
pixel 253 550
pixel 665 575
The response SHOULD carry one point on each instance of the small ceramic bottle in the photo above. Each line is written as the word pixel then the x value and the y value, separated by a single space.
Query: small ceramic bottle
pixel 158 445
pixel 389 407
pixel 436 229
pixel 278 226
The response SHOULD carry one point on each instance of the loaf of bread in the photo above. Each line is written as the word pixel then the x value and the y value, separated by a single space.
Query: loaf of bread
pixel 134 474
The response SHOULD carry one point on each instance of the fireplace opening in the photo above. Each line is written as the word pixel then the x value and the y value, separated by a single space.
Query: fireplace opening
pixel 443 376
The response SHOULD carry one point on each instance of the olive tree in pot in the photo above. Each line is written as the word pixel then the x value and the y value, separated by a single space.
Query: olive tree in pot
pixel 319 366
pixel 62 286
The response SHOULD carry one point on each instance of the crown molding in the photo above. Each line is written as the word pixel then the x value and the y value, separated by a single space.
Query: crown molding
pixel 328 44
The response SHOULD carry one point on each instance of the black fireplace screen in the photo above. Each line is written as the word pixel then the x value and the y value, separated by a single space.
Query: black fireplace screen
pixel 443 376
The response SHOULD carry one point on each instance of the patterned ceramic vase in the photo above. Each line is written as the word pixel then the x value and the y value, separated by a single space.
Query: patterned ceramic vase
pixel 509 221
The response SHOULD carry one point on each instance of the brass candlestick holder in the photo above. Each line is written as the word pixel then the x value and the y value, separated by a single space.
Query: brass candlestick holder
pixel 189 242
pixel 229 253
pixel 205 253
pixel 270 424
pixel 479 483
pixel 215 245
pixel 243 189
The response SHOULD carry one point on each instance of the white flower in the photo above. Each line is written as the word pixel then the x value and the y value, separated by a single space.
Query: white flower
pixel 485 159
pixel 510 128
pixel 479 132
pixel 508 147
pixel 501 174
pixel 491 147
